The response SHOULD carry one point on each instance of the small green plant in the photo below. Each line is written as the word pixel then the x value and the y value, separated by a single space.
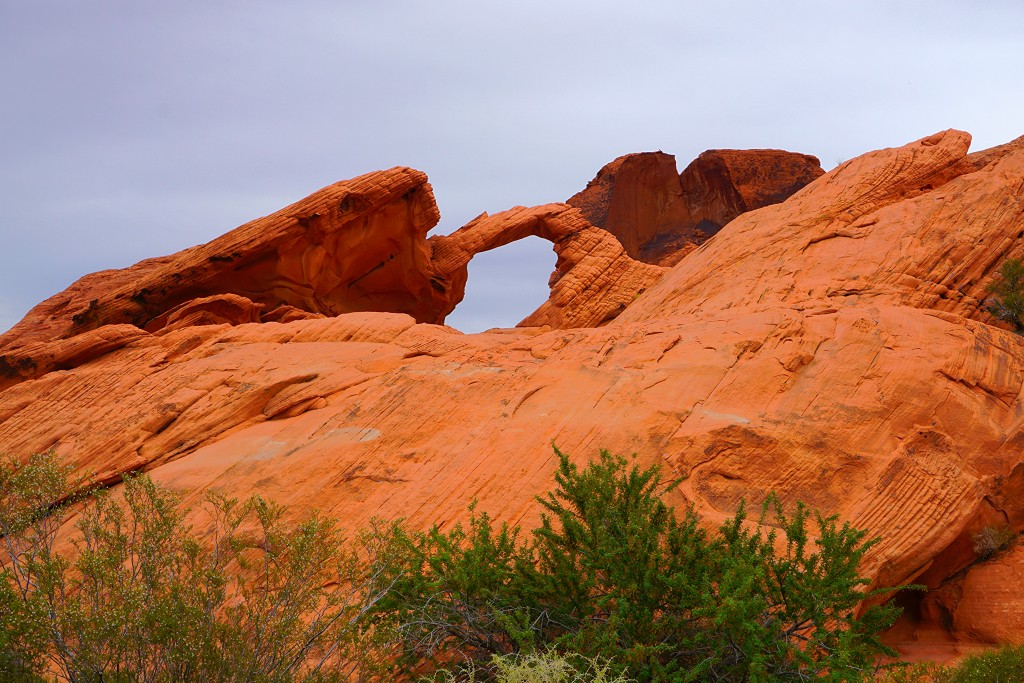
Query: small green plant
pixel 918 672
pixel 1005 665
pixel 554 668
pixel 1007 290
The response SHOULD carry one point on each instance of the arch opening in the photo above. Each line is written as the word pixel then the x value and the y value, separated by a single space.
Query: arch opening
pixel 505 285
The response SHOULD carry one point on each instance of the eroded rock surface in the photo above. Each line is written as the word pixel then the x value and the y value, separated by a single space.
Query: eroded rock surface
pixel 914 225
pixel 720 184
pixel 638 198
pixel 833 348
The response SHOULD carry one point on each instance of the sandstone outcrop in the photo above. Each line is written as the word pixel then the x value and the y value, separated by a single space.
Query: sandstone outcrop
pixel 887 227
pixel 833 348
pixel 720 184
pixel 659 215
pixel 638 198
pixel 356 245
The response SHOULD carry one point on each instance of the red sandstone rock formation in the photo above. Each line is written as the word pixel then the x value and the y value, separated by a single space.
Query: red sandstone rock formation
pixel 660 216
pixel 832 348
pixel 720 184
pixel 638 198
pixel 886 227
pixel 357 245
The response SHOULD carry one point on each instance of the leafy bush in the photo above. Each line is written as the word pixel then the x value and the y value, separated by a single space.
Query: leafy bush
pixel 624 577
pixel 145 598
pixel 29 521
pixel 1007 302
pixel 674 604
pixel 613 574
pixel 613 586
pixel 466 589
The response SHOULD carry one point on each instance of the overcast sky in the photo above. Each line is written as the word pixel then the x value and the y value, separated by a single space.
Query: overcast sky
pixel 136 128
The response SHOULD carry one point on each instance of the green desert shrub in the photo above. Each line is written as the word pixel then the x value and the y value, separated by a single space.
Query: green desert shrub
pixel 614 585
pixel 613 574
pixel 1007 294
pixel 142 596
pixel 466 590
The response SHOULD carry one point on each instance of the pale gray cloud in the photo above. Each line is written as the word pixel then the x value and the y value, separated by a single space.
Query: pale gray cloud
pixel 132 129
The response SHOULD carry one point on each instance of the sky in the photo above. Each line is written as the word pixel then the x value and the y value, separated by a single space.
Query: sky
pixel 136 128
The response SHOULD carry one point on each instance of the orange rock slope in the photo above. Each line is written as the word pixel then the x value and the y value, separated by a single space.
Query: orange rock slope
pixel 833 348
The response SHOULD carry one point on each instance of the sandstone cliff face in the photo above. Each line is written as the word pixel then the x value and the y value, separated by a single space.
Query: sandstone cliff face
pixel 638 199
pixel 833 348
pixel 659 216
pixel 720 184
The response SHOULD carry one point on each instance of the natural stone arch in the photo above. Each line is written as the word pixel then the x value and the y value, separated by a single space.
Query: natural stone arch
pixel 594 278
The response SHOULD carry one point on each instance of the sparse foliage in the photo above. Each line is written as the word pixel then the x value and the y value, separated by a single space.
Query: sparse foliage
pixel 1003 665
pixel 1007 294
pixel 544 667
pixel 998 666
pixel 145 597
